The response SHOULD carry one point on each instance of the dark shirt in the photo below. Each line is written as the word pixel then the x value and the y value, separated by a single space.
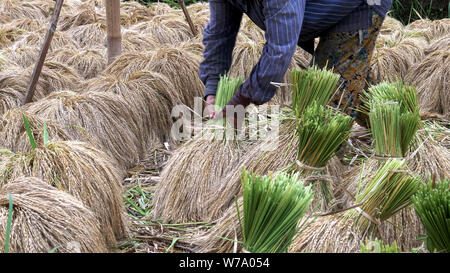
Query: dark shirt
pixel 287 23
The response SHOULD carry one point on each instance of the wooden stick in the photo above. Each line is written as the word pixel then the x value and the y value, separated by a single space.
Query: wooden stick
pixel 188 17
pixel 114 36
pixel 43 53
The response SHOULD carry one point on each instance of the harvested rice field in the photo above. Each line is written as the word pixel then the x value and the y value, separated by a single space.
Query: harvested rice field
pixel 91 163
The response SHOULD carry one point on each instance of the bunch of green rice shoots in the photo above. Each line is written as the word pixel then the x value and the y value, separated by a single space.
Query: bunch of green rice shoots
pixel 313 85
pixel 405 95
pixel 394 117
pixel 392 129
pixel 320 132
pixel 225 90
pixel 386 194
pixel 273 206
pixel 432 204
pixel 378 246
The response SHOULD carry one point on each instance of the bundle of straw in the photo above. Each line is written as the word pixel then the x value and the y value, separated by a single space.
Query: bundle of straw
pixel 28 24
pixel 105 118
pixel 432 203
pixel 142 89
pixel 9 34
pixel 36 38
pixel 19 9
pixel 89 35
pixel 273 207
pixel 313 85
pixel 84 14
pixel 133 40
pixel 430 78
pixel 88 62
pixel 135 12
pixel 14 135
pixel 193 172
pixel 390 25
pixel 80 170
pixel 21 56
pixel 380 197
pixel 45 219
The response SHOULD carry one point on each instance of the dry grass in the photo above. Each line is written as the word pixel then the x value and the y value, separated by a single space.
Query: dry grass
pixel 28 24
pixel 88 35
pixel 17 9
pixel 9 34
pixel 192 175
pixel 105 118
pixel 135 13
pixel 88 62
pixel 142 89
pixel 82 171
pixel 45 218
pixel 431 78
pixel 390 25
pixel 134 41
pixel 36 39
pixel 222 237
pixel 438 44
pixel 13 135
pixel 83 15
pixel 434 29
pixel 173 62
pixel 21 56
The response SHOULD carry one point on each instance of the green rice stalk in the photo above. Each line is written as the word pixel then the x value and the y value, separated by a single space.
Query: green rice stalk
pixel 30 134
pixel 392 129
pixel 8 224
pixel 273 207
pixel 225 90
pixel 385 92
pixel 313 85
pixel 378 246
pixel 386 194
pixel 320 132
pixel 432 204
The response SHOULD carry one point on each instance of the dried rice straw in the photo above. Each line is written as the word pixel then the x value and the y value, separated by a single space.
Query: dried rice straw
pixel 46 219
pixel 80 170
pixel 104 117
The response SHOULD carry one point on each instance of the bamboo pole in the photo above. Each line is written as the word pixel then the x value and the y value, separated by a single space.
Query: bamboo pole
pixel 188 17
pixel 43 53
pixel 114 36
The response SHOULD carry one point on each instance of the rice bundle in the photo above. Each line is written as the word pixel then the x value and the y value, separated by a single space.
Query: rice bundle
pixel 432 203
pixel 143 89
pixel 390 25
pixel 394 117
pixel 21 56
pixel 36 39
pixel 392 63
pixel 133 40
pixel 88 62
pixel 160 8
pixel 246 55
pixel 80 170
pixel 46 219
pixel 9 98
pixel 249 30
pixel 314 85
pixel 54 77
pixel 273 207
pixel 165 29
pixel 193 172
pixel 89 35
pixel 379 198
pixel 430 77
pixel 435 28
pixel 438 44
pixel 25 9
pixel 9 34
pixel 13 134
pixel 105 118
pixel 135 13
pixel 85 14
pixel 28 24
pixel 177 65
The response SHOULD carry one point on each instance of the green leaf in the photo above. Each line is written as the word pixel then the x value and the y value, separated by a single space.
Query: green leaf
pixel 30 134
pixel 45 135
pixel 8 224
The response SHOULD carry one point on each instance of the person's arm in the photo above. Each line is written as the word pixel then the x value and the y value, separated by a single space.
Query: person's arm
pixel 219 39
pixel 283 21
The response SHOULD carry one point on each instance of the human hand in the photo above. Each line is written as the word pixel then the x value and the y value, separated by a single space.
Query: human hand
pixel 210 106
